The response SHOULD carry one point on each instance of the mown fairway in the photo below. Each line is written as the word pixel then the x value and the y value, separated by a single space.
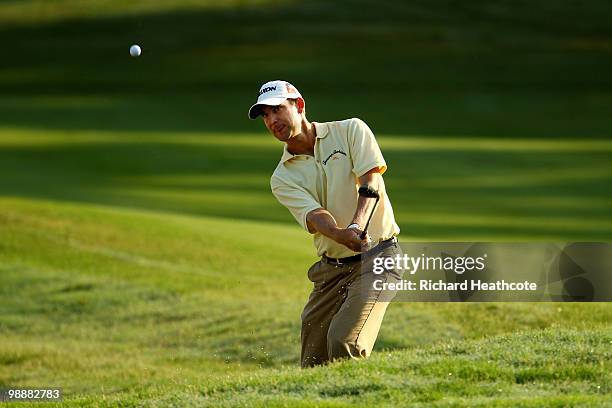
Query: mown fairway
pixel 172 271
pixel 144 261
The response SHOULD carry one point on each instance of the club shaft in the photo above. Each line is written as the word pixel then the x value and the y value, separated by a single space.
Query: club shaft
pixel 365 229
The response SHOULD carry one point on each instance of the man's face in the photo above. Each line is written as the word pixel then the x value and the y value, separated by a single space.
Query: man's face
pixel 283 121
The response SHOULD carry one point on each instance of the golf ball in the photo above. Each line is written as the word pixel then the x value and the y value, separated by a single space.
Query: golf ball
pixel 135 50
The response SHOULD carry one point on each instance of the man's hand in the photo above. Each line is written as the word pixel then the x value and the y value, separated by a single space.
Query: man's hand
pixel 350 238
pixel 322 221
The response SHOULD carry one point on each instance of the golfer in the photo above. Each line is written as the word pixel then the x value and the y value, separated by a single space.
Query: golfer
pixel 318 178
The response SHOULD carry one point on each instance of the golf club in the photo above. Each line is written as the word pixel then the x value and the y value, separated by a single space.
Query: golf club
pixel 368 192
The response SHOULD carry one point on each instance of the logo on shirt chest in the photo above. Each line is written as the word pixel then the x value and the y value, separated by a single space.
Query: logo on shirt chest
pixel 335 155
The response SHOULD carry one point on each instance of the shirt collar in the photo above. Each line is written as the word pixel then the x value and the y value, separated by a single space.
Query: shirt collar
pixel 322 131
pixel 286 154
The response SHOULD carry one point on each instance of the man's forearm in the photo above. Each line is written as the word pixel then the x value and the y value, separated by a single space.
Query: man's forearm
pixel 321 220
pixel 364 204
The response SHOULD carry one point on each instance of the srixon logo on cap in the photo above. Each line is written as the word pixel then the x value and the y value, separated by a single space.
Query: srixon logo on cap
pixel 268 89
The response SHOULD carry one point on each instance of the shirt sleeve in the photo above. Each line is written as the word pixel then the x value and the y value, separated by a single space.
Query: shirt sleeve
pixel 297 200
pixel 365 152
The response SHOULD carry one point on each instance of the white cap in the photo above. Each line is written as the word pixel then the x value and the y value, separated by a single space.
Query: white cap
pixel 273 93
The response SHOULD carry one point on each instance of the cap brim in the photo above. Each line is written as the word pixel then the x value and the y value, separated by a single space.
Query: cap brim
pixel 255 110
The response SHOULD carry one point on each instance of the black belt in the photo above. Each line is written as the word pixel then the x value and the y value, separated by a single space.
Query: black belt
pixel 356 258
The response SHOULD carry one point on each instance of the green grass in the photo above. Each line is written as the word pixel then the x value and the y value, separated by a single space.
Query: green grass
pixel 501 189
pixel 33 12
pixel 151 268
pixel 511 370
pixel 419 67
pixel 527 369
pixel 124 305
pixel 144 261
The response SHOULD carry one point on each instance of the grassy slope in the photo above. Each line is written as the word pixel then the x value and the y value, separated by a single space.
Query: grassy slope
pixel 144 289
pixel 512 370
pixel 500 189
pixel 135 222
pixel 127 305
pixel 536 69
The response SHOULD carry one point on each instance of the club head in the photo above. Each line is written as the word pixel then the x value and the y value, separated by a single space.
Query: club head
pixel 368 191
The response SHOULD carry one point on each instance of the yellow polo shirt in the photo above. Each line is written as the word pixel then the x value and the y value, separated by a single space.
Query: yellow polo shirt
pixel 343 151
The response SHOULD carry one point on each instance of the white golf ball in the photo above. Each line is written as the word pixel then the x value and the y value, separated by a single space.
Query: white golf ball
pixel 135 50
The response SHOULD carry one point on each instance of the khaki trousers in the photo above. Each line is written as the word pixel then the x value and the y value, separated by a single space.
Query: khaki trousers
pixel 343 314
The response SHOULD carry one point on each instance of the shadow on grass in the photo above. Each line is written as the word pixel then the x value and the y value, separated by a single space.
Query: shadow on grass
pixel 434 193
pixel 440 68
pixel 444 114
